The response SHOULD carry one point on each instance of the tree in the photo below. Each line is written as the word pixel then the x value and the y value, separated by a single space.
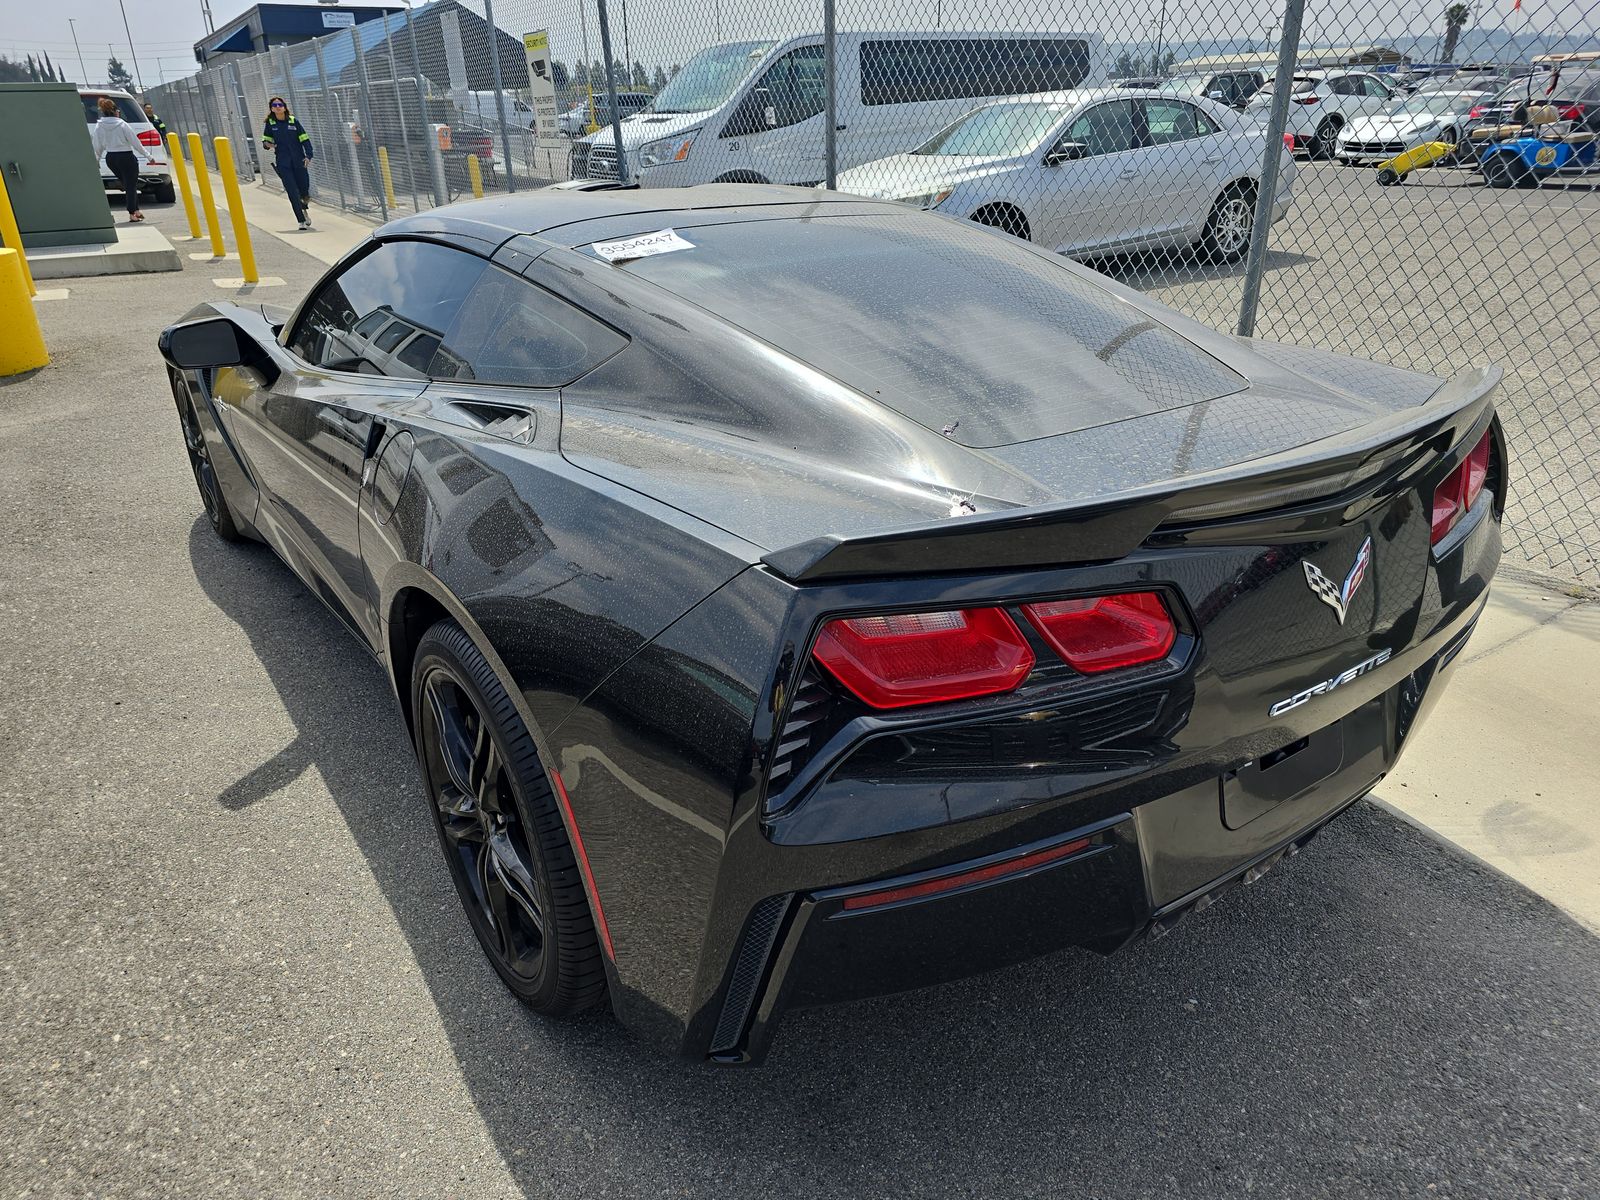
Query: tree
pixel 12 72
pixel 658 80
pixel 1166 63
pixel 33 70
pixel 676 67
pixel 641 77
pixel 1125 67
pixel 1455 20
pixel 558 75
pixel 117 75
pixel 52 73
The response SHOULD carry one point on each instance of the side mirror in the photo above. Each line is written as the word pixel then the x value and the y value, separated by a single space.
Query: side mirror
pixel 1065 152
pixel 1217 96
pixel 199 345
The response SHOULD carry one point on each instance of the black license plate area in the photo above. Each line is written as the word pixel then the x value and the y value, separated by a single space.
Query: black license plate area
pixel 1282 775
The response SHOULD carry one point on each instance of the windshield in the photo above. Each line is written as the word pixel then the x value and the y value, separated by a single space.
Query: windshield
pixel 1264 96
pixel 710 77
pixel 1428 105
pixel 1189 85
pixel 996 131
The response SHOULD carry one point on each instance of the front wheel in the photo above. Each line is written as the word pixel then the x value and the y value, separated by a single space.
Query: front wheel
pixel 1323 140
pixel 1228 228
pixel 205 476
pixel 500 826
pixel 1005 217
pixel 1499 173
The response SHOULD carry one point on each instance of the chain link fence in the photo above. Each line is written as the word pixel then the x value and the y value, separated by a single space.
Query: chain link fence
pixel 1414 184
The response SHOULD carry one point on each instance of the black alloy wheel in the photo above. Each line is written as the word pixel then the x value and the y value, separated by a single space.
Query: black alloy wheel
pixel 501 830
pixel 205 476
pixel 1322 142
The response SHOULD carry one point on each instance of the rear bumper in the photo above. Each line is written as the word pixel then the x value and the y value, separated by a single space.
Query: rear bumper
pixel 1097 886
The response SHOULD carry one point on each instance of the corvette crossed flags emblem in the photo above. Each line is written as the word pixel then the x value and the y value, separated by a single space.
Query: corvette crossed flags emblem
pixel 1338 598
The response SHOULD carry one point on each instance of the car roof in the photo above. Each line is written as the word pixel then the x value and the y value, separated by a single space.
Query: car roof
pixel 499 218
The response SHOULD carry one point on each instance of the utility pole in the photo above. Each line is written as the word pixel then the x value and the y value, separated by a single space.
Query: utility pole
pixel 205 15
pixel 132 53
pixel 81 66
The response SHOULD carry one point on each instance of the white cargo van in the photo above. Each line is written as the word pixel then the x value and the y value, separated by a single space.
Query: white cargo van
pixel 752 112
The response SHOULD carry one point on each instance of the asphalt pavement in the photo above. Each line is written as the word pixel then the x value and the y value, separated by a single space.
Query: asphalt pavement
pixel 232 963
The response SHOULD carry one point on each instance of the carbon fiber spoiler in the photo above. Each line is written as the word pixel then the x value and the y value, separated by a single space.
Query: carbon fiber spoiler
pixel 1111 527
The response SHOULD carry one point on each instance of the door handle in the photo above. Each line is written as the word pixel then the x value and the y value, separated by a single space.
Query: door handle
pixel 1215 158
pixel 838 128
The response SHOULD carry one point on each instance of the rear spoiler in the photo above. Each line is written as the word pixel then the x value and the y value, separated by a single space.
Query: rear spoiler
pixel 1111 527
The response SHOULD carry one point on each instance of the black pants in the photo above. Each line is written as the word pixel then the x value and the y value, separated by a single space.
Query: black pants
pixel 297 182
pixel 124 164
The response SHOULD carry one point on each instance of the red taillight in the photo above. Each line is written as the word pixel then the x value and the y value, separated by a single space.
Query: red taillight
pixel 1459 491
pixel 922 658
pixel 1307 99
pixel 1288 141
pixel 1102 633
pixel 1572 113
pixel 1476 112
pixel 149 137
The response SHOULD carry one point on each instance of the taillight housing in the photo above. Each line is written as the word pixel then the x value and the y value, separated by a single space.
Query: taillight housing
pixel 900 659
pixel 149 137
pixel 897 659
pixel 1459 491
pixel 1105 633
pixel 1308 98
pixel 1573 112
pixel 1477 111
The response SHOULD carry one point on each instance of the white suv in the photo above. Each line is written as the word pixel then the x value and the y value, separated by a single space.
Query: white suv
pixel 1321 103
pixel 154 181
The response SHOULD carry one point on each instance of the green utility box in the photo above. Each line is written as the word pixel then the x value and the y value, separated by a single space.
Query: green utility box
pixel 51 171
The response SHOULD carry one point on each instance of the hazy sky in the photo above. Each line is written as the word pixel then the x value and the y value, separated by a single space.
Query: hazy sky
pixel 670 30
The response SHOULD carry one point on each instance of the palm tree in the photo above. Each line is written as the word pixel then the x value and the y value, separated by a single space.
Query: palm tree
pixel 1455 20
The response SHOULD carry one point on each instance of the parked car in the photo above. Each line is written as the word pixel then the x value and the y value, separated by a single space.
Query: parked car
pixel 752 112
pixel 1407 123
pixel 1323 102
pixel 788 609
pixel 155 180
pixel 575 121
pixel 1233 87
pixel 483 109
pixel 1138 82
pixel 1092 172
pixel 1574 94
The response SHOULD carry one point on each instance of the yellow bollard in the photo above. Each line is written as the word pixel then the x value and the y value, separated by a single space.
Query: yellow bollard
pixel 21 343
pixel 11 236
pixel 197 155
pixel 175 151
pixel 475 173
pixel 241 230
pixel 388 179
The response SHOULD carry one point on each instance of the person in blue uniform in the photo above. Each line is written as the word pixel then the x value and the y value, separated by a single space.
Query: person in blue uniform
pixel 291 149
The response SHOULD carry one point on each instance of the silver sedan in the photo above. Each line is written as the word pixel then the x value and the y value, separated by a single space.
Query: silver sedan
pixel 1092 172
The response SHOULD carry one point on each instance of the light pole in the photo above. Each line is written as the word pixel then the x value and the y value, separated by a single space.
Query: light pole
pixel 81 65
pixel 1161 30
pixel 138 78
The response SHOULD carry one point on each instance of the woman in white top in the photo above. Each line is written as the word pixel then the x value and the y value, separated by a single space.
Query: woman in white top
pixel 115 138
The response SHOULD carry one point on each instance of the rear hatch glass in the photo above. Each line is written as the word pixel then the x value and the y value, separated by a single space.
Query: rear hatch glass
pixel 961 330
pixel 126 109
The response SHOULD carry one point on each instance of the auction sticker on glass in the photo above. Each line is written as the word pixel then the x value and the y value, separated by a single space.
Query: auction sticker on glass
pixel 644 245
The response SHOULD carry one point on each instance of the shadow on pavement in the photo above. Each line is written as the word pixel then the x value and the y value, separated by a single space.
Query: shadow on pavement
pixel 1377 1017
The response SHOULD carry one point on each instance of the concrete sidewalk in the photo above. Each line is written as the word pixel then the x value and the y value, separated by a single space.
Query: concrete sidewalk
pixel 1508 766
pixel 333 233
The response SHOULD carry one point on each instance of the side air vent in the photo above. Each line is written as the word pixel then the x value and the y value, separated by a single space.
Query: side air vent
pixel 760 935
pixel 502 420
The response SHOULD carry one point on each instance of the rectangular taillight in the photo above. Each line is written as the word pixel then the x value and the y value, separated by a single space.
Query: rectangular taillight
pixel 1459 491
pixel 901 659
pixel 149 137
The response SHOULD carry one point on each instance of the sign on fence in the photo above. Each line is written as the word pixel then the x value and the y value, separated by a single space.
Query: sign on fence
pixel 541 85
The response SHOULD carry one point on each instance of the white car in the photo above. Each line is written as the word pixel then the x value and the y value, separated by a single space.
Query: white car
pixel 1092 172
pixel 1321 103
pixel 155 181
pixel 1406 124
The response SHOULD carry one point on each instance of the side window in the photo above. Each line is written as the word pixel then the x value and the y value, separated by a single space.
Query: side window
pixel 911 70
pixel 795 87
pixel 514 332
pixel 1173 121
pixel 358 317
pixel 1104 129
pixel 1375 87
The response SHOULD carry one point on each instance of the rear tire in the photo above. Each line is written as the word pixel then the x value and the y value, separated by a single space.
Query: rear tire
pixel 1388 176
pixel 741 177
pixel 1499 173
pixel 500 826
pixel 1007 218
pixel 1322 141
pixel 1228 228
pixel 164 193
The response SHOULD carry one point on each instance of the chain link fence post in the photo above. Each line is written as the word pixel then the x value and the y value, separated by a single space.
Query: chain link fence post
pixel 1272 154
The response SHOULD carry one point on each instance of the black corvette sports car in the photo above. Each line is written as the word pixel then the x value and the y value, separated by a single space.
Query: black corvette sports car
pixel 794 597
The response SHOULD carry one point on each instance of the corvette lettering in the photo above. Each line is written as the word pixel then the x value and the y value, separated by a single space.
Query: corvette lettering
pixel 1327 685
